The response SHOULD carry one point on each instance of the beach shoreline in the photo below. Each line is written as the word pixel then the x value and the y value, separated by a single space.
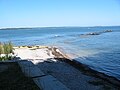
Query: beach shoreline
pixel 44 53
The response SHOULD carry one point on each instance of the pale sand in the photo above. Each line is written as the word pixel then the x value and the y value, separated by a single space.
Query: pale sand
pixel 31 53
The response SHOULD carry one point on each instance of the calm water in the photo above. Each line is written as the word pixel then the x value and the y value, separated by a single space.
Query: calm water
pixel 100 52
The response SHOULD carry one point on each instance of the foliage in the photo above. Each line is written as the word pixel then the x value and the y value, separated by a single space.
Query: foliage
pixel 6 49
pixel 1 48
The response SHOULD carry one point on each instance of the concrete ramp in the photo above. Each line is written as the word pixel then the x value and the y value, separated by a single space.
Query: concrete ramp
pixel 29 69
pixel 49 83
pixel 44 82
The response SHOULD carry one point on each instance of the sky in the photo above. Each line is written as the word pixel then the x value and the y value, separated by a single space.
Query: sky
pixel 57 13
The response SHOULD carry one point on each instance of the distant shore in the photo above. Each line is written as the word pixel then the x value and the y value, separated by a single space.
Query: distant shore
pixel 17 28
pixel 13 28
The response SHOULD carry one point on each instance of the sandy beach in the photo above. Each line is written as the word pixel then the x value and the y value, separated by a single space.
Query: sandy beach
pixel 51 61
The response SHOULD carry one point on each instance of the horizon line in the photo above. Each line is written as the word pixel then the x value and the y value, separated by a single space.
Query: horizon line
pixel 56 27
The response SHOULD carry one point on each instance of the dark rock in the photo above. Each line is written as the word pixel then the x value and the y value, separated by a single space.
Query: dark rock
pixel 94 33
pixel 108 31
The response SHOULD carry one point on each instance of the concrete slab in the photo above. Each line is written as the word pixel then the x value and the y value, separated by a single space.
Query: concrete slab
pixel 44 82
pixel 30 69
pixel 49 83
pixel 25 63
pixel 33 71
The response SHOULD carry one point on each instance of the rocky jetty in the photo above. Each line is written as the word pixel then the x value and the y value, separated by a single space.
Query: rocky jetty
pixel 97 33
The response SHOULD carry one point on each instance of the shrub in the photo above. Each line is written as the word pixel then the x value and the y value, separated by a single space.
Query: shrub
pixel 1 48
pixel 6 49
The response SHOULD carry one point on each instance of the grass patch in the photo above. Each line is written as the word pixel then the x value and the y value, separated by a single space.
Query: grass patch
pixel 6 49
pixel 13 79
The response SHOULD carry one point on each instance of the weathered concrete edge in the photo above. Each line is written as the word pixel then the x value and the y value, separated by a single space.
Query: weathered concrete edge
pixel 29 69
pixel 8 61
pixel 49 82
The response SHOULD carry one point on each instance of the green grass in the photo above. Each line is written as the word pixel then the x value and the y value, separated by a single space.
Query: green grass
pixel 1 48
pixel 6 48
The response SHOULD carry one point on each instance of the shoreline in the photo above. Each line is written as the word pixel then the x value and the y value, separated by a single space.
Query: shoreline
pixel 87 70
pixel 58 54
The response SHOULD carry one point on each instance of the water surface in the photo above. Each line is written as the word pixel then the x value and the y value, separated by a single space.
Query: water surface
pixel 100 52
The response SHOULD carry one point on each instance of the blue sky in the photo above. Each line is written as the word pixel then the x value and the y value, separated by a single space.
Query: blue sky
pixel 50 13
